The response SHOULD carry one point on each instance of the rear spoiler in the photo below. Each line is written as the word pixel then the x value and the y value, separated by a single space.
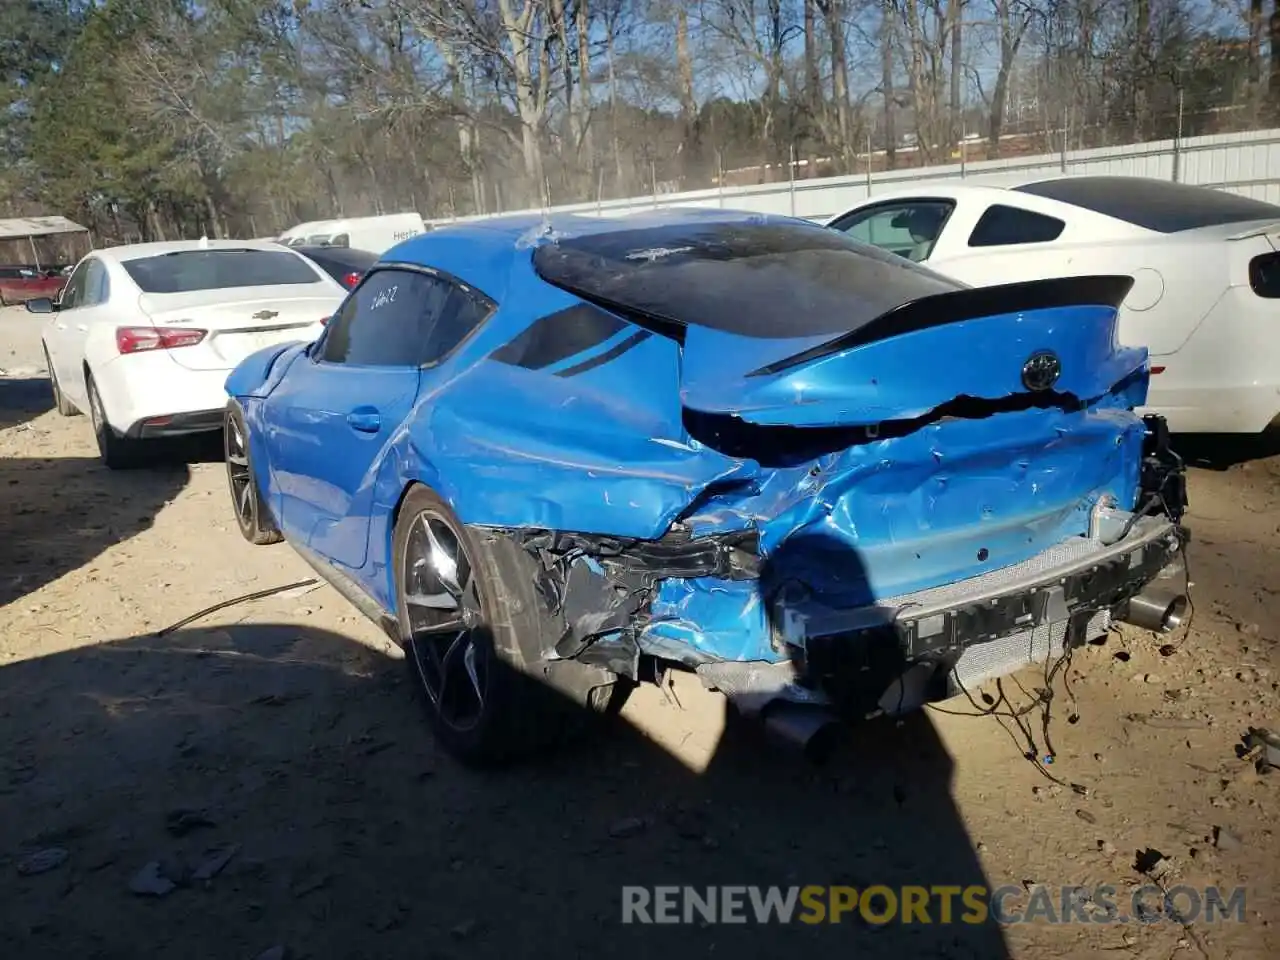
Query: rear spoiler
pixel 967 304
pixel 1256 231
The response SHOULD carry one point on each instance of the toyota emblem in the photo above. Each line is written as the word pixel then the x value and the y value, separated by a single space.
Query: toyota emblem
pixel 1041 371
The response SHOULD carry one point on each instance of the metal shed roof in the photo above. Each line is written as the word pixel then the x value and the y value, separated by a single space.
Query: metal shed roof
pixel 22 227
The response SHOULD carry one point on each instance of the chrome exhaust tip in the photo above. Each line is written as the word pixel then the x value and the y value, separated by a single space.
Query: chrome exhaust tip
pixel 1157 612
pixel 812 730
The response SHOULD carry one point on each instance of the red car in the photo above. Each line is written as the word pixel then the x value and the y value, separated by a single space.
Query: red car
pixel 20 284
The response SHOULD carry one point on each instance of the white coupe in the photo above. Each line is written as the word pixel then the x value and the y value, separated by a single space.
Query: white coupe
pixel 142 337
pixel 1206 293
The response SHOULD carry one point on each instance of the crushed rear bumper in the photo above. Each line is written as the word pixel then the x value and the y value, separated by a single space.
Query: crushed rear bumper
pixel 961 634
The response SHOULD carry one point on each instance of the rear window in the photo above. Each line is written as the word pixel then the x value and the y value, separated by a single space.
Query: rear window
pixel 218 270
pixel 340 261
pixel 750 278
pixel 1154 204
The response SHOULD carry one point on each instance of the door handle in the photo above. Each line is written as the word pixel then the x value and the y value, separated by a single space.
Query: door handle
pixel 82 326
pixel 364 419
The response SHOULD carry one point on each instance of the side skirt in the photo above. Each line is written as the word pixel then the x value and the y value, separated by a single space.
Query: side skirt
pixel 351 591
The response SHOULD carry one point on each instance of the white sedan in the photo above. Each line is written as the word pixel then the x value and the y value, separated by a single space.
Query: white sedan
pixel 1205 264
pixel 142 337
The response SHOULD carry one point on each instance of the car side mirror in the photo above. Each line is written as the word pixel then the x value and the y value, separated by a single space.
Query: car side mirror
pixel 41 305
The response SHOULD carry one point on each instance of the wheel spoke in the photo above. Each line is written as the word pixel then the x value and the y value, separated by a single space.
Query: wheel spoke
pixel 469 662
pixel 452 625
pixel 444 562
pixel 432 601
pixel 443 606
pixel 459 642
pixel 471 594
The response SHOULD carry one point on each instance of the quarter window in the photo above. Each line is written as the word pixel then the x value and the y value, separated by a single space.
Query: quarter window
pixel 1001 226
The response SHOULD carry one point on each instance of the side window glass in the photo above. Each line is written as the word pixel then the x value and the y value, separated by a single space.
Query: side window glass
pixel 403 318
pixel 1004 226
pixel 95 291
pixel 461 312
pixel 385 322
pixel 909 229
pixel 73 292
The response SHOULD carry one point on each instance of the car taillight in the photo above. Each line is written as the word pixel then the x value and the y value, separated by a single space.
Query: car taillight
pixel 1264 275
pixel 324 321
pixel 140 339
pixel 351 279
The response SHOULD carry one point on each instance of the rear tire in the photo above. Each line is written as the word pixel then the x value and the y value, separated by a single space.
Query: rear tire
pixel 252 516
pixel 474 634
pixel 64 406
pixel 117 452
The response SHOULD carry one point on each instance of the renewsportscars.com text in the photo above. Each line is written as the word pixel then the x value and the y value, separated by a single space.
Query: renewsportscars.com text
pixel 939 904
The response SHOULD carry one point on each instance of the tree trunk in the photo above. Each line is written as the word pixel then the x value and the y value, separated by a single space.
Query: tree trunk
pixel 1138 68
pixel 1011 33
pixel 919 91
pixel 955 14
pixel 1255 23
pixel 1274 91
pixel 530 91
pixel 840 75
pixel 566 71
pixel 585 146
pixel 773 134
pixel 212 209
pixel 813 106
pixel 887 32
pixel 610 31
pixel 691 135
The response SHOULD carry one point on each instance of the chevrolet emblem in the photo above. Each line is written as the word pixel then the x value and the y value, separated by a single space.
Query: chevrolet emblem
pixel 266 314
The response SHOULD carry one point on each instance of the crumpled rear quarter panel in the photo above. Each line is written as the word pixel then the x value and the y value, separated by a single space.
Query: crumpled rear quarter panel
pixel 950 502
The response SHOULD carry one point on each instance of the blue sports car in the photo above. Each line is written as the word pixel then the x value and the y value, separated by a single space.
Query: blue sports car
pixel 558 456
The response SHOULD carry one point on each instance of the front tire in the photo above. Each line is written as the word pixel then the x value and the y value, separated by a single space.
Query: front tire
pixel 252 516
pixel 473 629
pixel 117 452
pixel 64 406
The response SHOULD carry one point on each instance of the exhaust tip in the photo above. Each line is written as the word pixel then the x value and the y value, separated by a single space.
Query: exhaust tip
pixel 1174 614
pixel 1157 611
pixel 813 731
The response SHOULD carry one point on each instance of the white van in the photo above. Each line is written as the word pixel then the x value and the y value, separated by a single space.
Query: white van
pixel 374 234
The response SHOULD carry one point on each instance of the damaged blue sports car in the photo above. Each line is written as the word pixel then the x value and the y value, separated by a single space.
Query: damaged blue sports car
pixel 557 456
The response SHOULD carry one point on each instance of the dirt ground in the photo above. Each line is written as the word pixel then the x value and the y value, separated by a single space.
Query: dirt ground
pixel 271 760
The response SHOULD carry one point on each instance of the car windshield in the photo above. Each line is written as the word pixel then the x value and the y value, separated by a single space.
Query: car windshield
pixel 192 270
pixel 753 278
pixel 1154 204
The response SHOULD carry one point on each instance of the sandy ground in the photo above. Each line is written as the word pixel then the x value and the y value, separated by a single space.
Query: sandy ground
pixel 261 782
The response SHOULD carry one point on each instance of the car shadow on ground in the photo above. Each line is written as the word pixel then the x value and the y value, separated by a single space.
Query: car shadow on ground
pixel 23 399
pixel 1222 451
pixel 304 756
pixel 193 448
pixel 61 512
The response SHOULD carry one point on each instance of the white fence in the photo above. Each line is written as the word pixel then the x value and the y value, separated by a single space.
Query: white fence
pixel 1246 163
